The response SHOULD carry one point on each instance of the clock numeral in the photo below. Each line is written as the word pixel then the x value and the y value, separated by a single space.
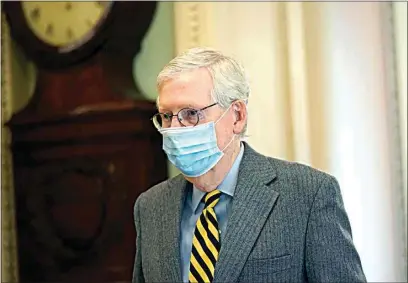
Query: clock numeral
pixel 68 6
pixel 101 4
pixel 50 30
pixel 35 14
pixel 70 34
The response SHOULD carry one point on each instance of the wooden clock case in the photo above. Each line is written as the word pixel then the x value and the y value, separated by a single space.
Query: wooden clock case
pixel 83 151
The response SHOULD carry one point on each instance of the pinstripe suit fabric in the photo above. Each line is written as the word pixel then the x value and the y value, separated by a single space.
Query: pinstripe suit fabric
pixel 287 224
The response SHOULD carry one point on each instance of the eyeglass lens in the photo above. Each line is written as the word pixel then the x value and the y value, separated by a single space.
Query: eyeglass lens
pixel 187 117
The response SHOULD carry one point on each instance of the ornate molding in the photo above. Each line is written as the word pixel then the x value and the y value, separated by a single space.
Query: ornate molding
pixel 191 24
pixel 9 261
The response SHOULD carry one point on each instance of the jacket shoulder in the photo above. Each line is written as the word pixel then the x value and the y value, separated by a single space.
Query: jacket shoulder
pixel 300 177
pixel 155 193
pixel 298 170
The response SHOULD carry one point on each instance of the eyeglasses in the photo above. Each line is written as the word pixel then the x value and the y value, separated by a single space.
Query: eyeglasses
pixel 187 117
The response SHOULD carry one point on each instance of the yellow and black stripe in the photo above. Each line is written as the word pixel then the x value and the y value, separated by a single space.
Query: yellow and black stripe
pixel 206 242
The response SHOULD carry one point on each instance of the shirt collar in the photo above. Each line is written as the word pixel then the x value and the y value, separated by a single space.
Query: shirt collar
pixel 227 186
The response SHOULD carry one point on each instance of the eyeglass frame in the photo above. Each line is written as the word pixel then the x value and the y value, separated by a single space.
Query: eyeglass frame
pixel 178 118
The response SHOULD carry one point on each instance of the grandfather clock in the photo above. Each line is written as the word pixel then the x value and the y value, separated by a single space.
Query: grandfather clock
pixel 84 147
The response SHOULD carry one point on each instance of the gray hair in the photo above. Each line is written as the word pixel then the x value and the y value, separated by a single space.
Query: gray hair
pixel 230 82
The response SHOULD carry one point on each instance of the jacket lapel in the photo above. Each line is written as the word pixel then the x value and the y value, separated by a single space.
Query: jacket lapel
pixel 252 204
pixel 171 205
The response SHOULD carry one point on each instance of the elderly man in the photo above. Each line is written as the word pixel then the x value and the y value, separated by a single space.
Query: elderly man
pixel 233 214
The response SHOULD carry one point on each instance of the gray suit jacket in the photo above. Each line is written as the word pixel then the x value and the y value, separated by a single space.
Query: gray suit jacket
pixel 287 224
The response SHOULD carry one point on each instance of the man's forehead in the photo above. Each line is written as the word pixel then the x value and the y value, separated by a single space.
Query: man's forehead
pixel 185 90
pixel 200 75
pixel 181 100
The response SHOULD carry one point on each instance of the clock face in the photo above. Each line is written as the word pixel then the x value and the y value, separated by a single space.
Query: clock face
pixel 65 25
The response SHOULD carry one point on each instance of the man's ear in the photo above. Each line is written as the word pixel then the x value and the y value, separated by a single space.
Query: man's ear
pixel 236 112
pixel 240 111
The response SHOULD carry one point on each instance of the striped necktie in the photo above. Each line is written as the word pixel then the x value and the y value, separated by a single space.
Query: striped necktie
pixel 206 242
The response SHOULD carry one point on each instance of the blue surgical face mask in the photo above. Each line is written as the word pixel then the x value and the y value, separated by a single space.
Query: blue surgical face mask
pixel 193 150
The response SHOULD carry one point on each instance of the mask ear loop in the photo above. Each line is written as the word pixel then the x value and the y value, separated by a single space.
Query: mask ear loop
pixel 233 137
pixel 223 114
